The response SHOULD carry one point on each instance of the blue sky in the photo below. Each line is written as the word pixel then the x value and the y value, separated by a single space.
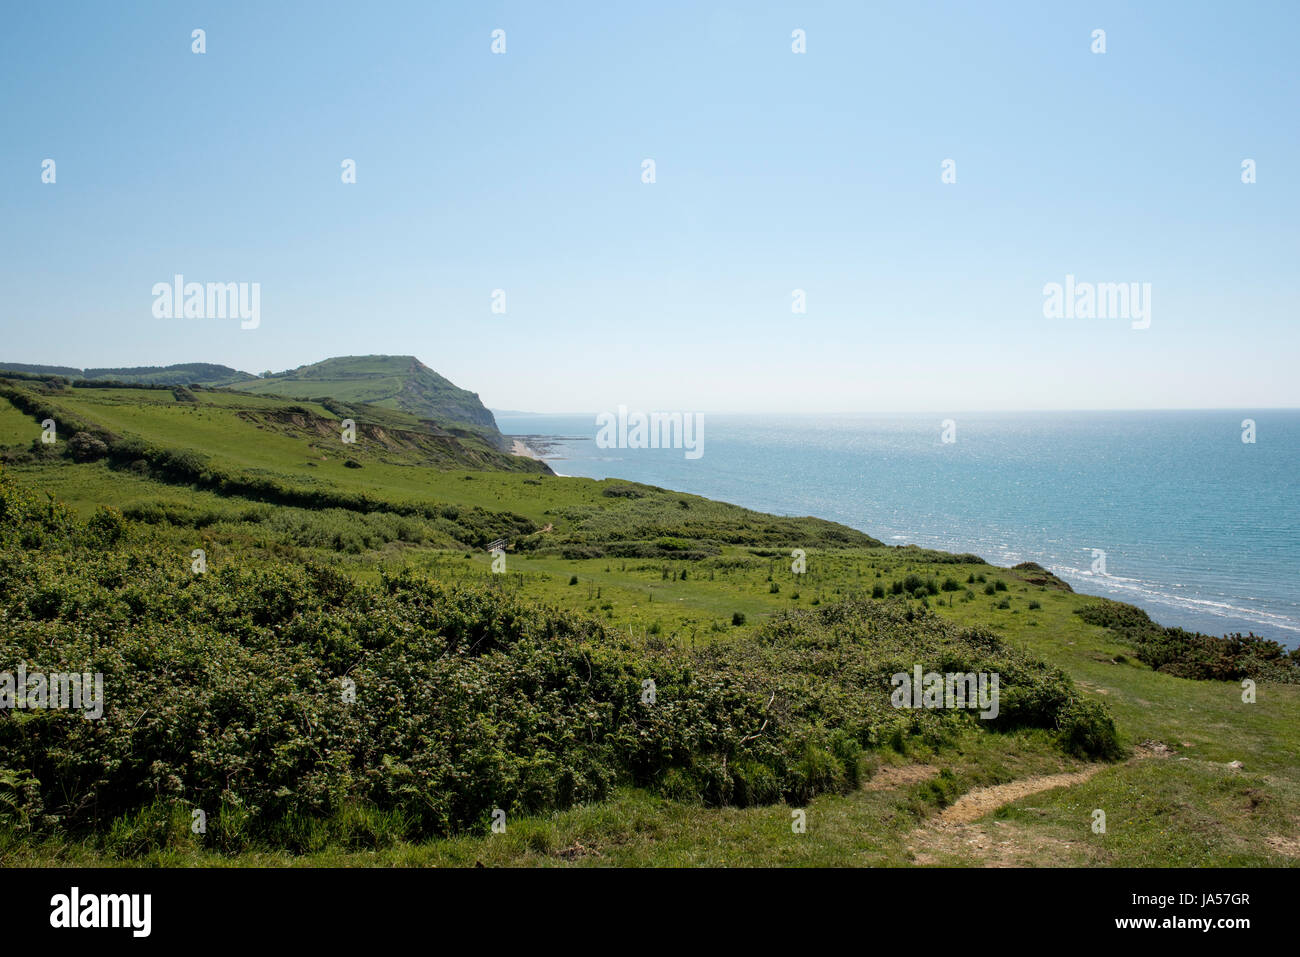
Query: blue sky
pixel 775 171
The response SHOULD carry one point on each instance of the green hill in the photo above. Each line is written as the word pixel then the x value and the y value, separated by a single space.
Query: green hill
pixel 287 452
pixel 402 383
pixel 189 373
pixel 67 372
pixel 517 678
pixel 263 447
pixel 394 382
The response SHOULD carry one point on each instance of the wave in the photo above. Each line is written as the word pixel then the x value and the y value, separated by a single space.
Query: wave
pixel 1158 594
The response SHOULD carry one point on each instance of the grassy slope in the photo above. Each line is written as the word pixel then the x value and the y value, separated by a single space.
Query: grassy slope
pixel 1186 808
pixel 16 429
pixel 395 382
pixel 270 436
pixel 256 436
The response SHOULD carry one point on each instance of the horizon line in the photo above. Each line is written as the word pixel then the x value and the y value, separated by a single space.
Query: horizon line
pixel 1019 411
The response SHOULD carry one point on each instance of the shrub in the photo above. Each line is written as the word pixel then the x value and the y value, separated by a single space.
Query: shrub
pixel 224 692
pixel 623 491
pixel 1194 655
pixel 84 447
pixel 106 527
pixel 1087 730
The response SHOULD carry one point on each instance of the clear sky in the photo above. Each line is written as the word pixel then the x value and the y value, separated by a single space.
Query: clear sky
pixel 775 171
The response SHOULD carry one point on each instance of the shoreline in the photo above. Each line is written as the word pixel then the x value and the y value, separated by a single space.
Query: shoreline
pixel 1128 591
pixel 522 448
pixel 525 447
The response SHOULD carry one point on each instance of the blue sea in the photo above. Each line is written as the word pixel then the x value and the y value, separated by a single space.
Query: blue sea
pixel 1197 527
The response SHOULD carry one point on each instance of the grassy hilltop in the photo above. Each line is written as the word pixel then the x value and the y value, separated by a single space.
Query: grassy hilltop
pixel 394 382
pixel 335 568
pixel 401 383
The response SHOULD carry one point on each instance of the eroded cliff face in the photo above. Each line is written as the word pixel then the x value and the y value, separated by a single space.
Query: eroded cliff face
pixel 396 382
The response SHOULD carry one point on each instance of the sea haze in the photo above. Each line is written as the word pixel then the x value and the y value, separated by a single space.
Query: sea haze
pixel 1198 527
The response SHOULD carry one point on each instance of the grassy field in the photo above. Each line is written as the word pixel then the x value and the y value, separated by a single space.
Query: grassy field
pixel 677 574
pixel 16 429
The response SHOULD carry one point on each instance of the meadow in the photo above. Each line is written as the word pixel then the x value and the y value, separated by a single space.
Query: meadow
pixel 521 688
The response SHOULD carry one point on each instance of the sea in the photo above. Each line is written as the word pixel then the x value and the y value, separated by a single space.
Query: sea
pixel 1171 511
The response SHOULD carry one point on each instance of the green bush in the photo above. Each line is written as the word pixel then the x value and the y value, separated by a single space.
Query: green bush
pixel 1087 730
pixel 1187 654
pixel 296 706
pixel 86 448
pixel 106 527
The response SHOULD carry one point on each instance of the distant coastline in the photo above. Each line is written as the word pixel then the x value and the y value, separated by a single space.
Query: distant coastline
pixel 520 447
pixel 1019 487
pixel 543 448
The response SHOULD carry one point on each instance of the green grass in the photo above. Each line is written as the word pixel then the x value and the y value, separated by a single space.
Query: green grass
pixel 394 382
pixel 16 428
pixel 261 438
pixel 1187 808
pixel 635 828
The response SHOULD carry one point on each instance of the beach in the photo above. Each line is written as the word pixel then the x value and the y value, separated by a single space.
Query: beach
pixel 520 447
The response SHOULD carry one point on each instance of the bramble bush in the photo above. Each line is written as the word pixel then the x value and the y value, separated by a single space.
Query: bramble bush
pixel 293 704
pixel 1188 654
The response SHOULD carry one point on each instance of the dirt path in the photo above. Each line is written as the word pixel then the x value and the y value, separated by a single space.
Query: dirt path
pixel 973 805
pixel 959 828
